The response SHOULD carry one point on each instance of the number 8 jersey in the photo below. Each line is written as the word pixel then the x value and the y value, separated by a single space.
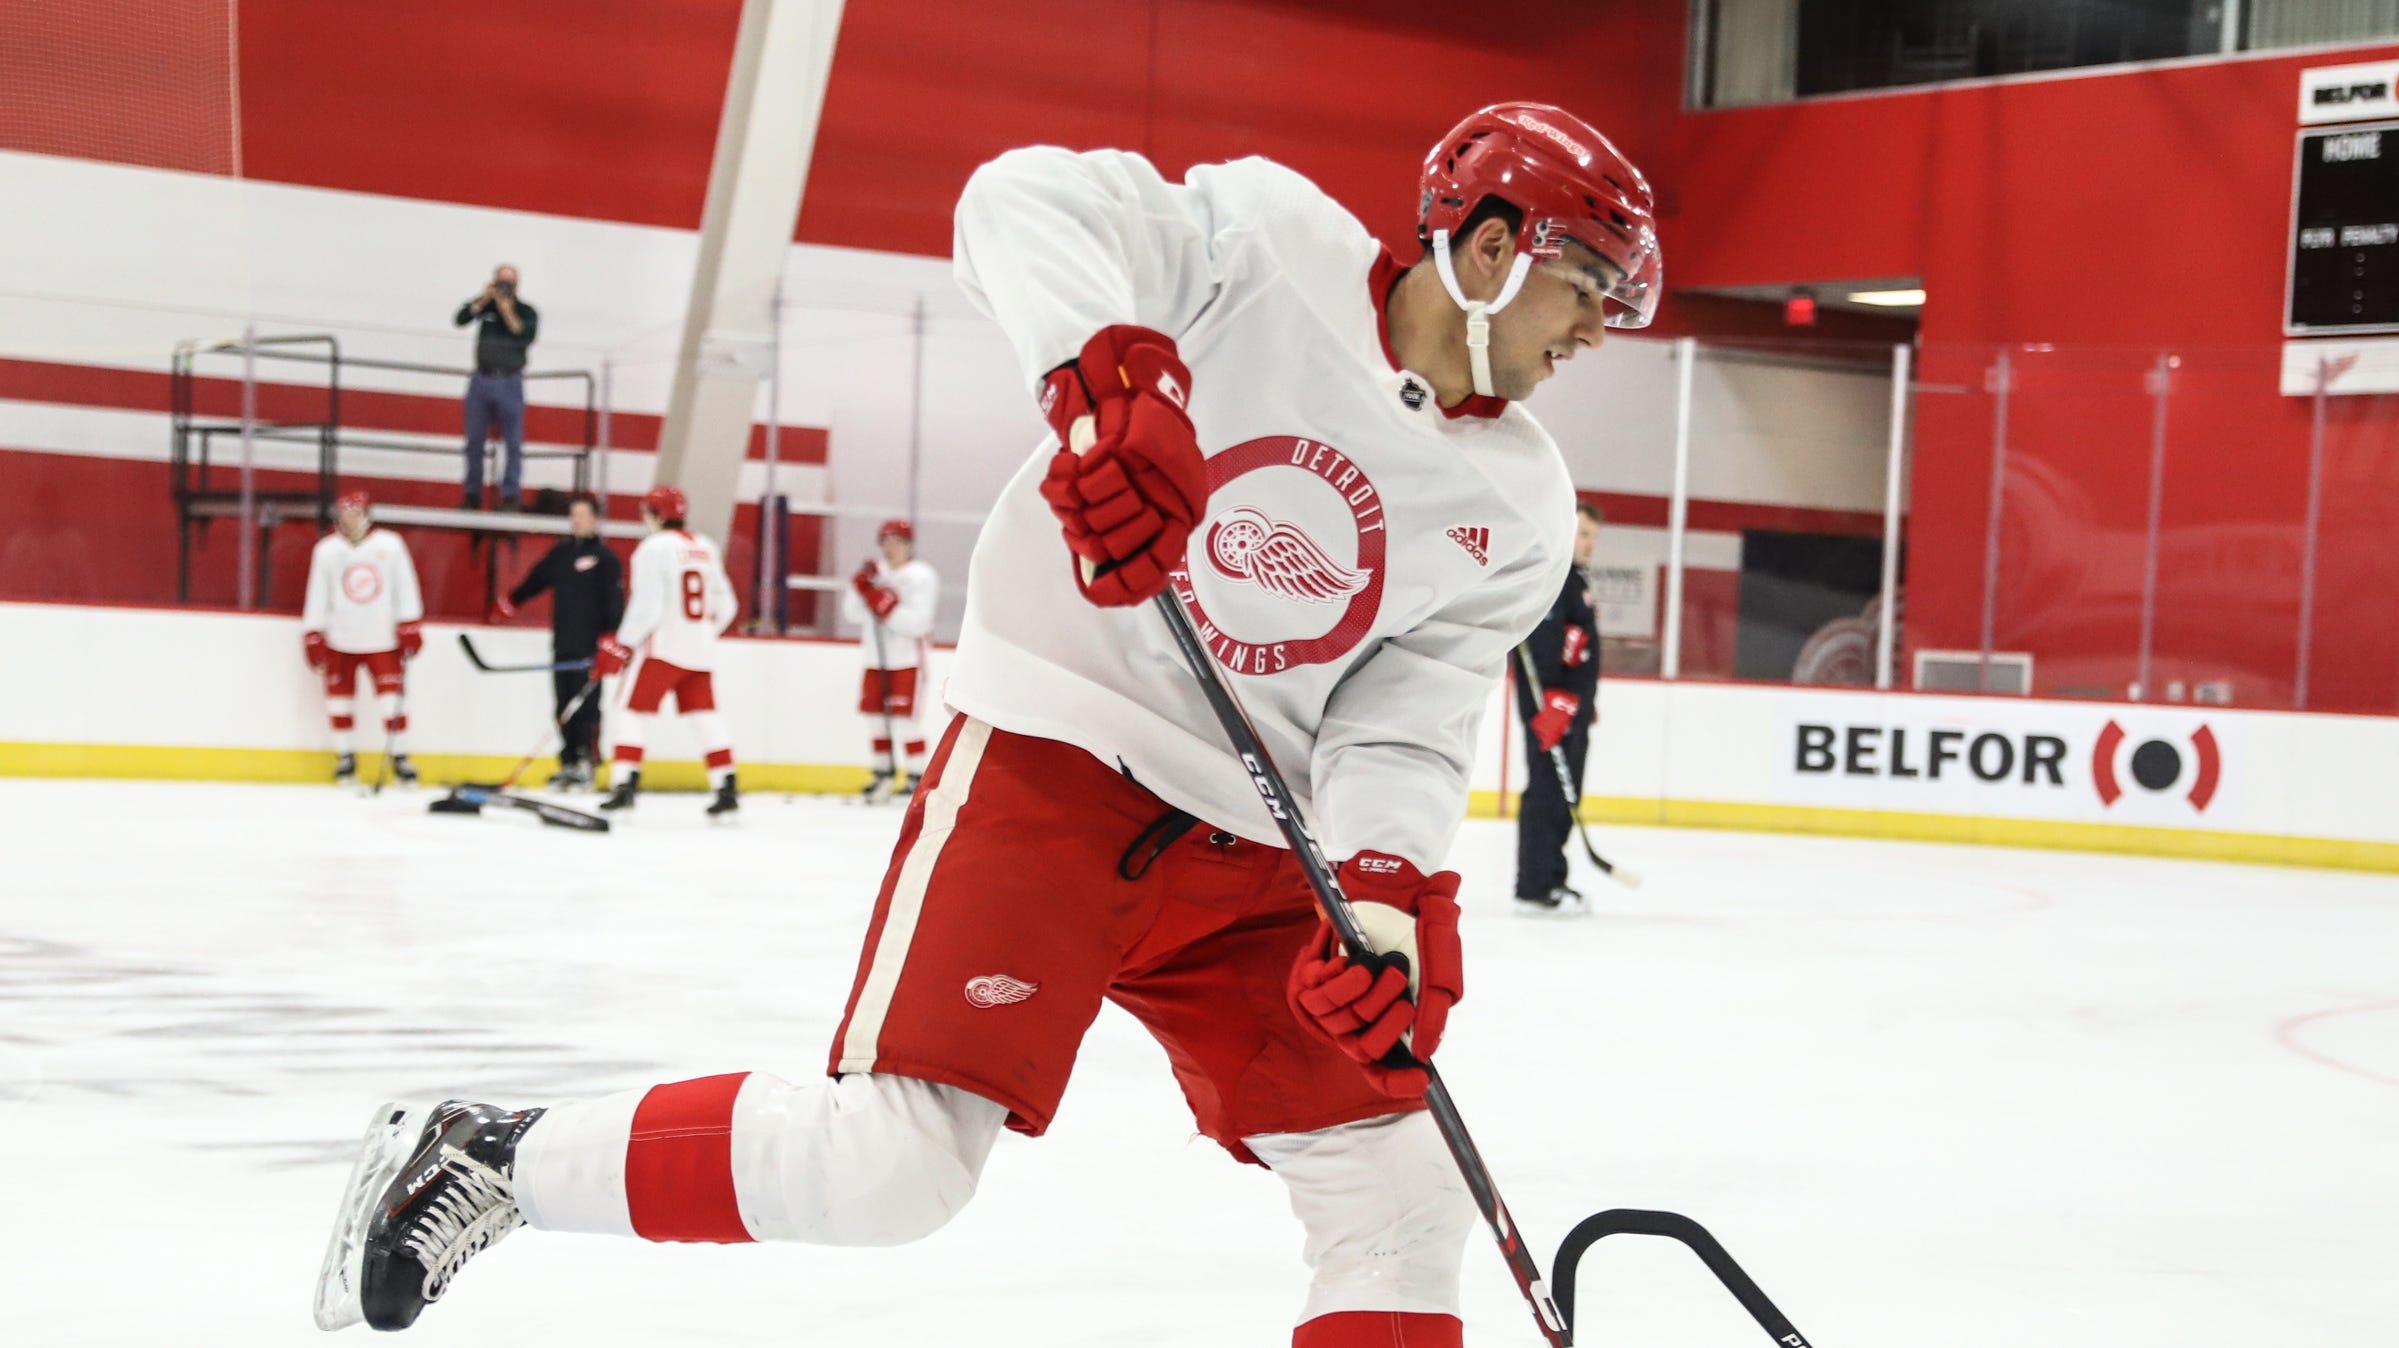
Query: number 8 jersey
pixel 680 600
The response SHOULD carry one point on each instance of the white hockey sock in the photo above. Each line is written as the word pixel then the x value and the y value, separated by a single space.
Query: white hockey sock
pixel 339 710
pixel 632 732
pixel 395 721
pixel 859 1160
pixel 1386 1212
pixel 716 747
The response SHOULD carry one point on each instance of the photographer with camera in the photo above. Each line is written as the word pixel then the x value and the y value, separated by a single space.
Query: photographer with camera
pixel 505 327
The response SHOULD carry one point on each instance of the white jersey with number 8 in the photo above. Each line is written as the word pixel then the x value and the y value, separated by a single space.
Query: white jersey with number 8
pixel 680 600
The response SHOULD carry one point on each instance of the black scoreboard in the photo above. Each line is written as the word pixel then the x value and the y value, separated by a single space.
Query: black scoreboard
pixel 2345 230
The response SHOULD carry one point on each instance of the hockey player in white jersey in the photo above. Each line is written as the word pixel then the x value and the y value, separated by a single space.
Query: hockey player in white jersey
pixel 1321 424
pixel 362 613
pixel 893 597
pixel 678 603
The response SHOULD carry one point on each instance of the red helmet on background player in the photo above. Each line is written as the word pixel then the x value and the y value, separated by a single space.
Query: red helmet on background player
pixel 667 503
pixel 353 499
pixel 1570 182
pixel 900 529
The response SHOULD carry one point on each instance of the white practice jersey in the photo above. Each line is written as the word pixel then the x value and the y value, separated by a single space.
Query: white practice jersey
pixel 1368 560
pixel 359 593
pixel 908 627
pixel 678 601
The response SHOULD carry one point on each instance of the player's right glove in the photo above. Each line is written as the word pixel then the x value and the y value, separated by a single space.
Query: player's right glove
pixel 1128 483
pixel 1417 974
pixel 312 645
pixel 1555 718
pixel 880 599
pixel 611 657
pixel 504 607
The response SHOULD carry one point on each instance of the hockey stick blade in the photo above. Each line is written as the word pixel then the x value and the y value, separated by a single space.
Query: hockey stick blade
pixel 1694 1237
pixel 475 658
pixel 1276 795
pixel 472 799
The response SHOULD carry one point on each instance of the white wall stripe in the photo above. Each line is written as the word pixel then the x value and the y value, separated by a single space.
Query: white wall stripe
pixel 859 1047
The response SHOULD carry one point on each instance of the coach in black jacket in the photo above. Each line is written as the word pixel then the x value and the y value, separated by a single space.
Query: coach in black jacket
pixel 1565 659
pixel 587 598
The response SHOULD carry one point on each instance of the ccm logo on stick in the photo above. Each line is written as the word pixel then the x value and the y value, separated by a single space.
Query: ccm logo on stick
pixel 1888 751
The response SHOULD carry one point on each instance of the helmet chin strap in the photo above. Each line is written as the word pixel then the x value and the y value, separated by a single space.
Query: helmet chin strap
pixel 1478 312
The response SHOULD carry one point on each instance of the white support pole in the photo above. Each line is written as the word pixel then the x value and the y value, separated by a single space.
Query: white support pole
pixel 245 567
pixel 916 407
pixel 599 476
pixel 2002 383
pixel 772 568
pixel 1678 509
pixel 1894 473
pixel 2315 524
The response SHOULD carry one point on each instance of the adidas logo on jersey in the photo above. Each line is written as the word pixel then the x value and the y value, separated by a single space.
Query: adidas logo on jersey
pixel 1477 543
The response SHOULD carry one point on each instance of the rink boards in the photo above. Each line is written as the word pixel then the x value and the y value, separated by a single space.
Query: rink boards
pixel 128 692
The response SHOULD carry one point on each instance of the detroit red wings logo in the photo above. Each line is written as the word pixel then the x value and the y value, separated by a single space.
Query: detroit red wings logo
pixel 1278 558
pixel 992 990
pixel 361 583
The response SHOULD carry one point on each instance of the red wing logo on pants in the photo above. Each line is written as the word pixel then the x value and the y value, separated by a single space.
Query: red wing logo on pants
pixel 998 990
pixel 2158 765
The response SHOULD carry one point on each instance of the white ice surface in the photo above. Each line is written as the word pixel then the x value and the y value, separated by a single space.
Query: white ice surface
pixel 1931 1096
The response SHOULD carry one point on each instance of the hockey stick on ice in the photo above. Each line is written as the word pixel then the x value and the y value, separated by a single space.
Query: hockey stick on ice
pixel 470 798
pixel 1623 875
pixel 1556 1324
pixel 476 659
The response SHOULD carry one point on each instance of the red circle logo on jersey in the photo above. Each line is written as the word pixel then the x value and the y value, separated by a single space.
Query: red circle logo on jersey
pixel 1288 569
pixel 362 583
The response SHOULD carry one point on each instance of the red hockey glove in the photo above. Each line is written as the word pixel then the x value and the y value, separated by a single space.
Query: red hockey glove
pixel 412 640
pixel 611 657
pixel 1128 482
pixel 880 600
pixel 1417 975
pixel 1555 719
pixel 504 607
pixel 312 645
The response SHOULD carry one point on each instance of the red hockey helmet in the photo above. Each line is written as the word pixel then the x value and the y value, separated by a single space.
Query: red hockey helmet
pixel 896 529
pixel 667 503
pixel 1569 181
pixel 353 499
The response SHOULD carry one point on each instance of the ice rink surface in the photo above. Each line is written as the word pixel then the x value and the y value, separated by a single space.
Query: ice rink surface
pixel 1932 1096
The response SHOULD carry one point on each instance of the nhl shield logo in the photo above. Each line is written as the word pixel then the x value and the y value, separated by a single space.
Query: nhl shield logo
pixel 1413 394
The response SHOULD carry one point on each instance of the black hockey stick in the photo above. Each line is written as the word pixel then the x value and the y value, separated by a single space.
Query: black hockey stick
pixel 476 659
pixel 1271 789
pixel 1557 1325
pixel 1623 875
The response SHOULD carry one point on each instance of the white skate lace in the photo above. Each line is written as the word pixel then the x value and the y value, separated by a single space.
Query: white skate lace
pixel 462 1221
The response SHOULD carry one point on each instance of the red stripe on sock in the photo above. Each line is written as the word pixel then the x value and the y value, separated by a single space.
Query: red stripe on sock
pixel 396 724
pixel 341 723
pixel 679 1163
pixel 882 746
pixel 1380 1329
pixel 720 758
pixel 916 748
pixel 628 753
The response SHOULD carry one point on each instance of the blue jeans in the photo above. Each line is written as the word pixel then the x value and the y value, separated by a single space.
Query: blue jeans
pixel 499 397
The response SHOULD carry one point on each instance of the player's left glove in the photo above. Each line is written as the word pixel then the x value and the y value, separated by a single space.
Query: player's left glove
pixel 314 648
pixel 880 599
pixel 1417 974
pixel 1555 718
pixel 1128 483
pixel 611 657
pixel 412 640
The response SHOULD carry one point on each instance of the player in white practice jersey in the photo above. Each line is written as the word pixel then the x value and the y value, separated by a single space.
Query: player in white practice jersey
pixel 1371 526
pixel 362 614
pixel 677 604
pixel 893 597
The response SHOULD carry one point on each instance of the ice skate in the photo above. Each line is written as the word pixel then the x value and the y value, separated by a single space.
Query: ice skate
pixel 432 1188
pixel 622 797
pixel 403 771
pixel 728 800
pixel 345 769
pixel 1560 901
pixel 878 788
